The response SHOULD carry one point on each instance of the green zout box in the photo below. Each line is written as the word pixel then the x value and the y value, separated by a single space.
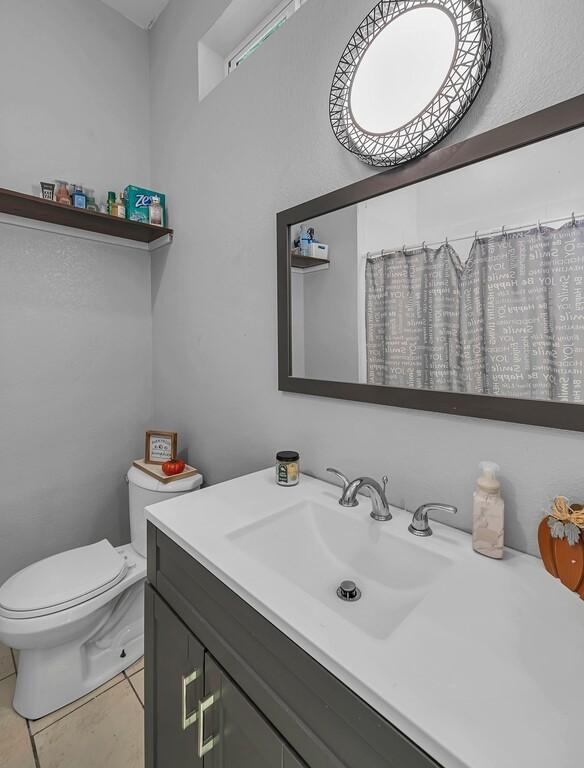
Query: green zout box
pixel 138 201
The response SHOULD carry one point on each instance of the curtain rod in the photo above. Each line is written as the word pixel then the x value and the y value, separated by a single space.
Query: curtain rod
pixel 501 230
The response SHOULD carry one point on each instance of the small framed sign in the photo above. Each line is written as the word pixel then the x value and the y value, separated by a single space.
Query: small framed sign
pixel 160 447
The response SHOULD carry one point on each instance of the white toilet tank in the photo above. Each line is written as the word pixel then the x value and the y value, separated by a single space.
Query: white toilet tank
pixel 146 490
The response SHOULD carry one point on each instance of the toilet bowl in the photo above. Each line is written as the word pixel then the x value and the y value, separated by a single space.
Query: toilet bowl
pixel 77 618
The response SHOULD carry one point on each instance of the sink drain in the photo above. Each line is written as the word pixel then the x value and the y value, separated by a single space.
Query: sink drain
pixel 348 591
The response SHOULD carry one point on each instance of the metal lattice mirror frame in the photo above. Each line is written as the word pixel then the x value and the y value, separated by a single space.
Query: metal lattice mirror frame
pixel 449 105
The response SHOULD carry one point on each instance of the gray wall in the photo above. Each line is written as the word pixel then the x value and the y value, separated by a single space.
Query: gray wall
pixel 75 320
pixel 74 95
pixel 261 142
pixel 297 322
pixel 330 302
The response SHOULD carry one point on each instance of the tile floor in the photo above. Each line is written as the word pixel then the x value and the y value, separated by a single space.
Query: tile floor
pixel 104 728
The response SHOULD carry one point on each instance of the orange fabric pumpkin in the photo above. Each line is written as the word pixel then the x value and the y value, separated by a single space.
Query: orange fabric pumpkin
pixel 562 560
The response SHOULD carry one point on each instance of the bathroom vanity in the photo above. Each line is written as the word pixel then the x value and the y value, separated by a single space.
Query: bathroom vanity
pixel 210 656
pixel 253 660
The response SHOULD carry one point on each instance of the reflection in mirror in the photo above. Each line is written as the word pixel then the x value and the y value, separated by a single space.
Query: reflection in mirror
pixel 470 282
pixel 386 95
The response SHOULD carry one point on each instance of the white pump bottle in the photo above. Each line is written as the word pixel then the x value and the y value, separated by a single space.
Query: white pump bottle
pixel 488 513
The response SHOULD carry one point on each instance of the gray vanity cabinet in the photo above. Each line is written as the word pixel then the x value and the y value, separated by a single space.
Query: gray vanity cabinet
pixel 187 685
pixel 243 738
pixel 175 665
pixel 290 761
pixel 260 700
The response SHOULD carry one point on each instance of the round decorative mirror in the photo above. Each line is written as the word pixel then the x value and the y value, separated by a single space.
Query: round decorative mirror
pixel 407 77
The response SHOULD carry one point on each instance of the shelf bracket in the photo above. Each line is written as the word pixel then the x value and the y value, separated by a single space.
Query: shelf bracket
pixel 161 242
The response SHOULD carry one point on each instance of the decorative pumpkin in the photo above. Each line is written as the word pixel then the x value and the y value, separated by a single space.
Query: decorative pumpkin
pixel 561 544
pixel 173 467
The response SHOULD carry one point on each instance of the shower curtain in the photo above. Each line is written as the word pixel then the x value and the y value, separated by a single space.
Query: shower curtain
pixel 511 323
pixel 522 320
pixel 413 323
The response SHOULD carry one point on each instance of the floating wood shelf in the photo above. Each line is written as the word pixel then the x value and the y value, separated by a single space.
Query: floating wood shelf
pixel 30 207
pixel 305 262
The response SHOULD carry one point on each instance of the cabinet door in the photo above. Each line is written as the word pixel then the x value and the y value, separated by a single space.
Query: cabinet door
pixel 174 663
pixel 235 733
pixel 290 761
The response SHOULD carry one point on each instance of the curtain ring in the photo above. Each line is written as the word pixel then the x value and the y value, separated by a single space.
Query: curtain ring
pixel 476 237
pixel 573 218
pixel 423 245
pixel 539 226
pixel 404 248
pixel 446 243
pixel 503 231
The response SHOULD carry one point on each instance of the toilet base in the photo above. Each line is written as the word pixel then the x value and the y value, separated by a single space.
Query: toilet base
pixel 50 678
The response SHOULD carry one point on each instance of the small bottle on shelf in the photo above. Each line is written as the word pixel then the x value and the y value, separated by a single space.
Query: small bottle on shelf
pixel 155 212
pixel 111 201
pixel 121 206
pixel 304 241
pixel 91 201
pixel 62 195
pixel 118 208
pixel 79 198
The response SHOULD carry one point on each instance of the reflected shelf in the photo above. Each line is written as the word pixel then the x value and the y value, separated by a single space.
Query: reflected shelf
pixel 307 263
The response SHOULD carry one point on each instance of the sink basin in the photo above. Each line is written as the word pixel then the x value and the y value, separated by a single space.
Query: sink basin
pixel 316 547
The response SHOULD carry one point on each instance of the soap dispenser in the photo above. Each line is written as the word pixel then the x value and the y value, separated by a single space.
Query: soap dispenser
pixel 488 513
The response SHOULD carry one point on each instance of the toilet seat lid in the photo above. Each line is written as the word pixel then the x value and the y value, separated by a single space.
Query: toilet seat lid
pixel 62 580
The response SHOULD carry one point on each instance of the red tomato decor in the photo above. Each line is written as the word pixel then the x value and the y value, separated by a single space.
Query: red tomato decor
pixel 173 467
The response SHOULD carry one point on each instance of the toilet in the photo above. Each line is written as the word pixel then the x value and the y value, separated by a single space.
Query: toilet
pixel 77 618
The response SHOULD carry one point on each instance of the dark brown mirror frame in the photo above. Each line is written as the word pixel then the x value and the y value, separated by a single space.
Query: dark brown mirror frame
pixel 561 118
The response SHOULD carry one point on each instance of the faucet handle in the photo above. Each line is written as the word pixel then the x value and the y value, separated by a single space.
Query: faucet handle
pixel 343 478
pixel 419 525
pixel 385 481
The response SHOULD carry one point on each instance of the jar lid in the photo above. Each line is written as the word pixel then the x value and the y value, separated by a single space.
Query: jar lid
pixel 287 456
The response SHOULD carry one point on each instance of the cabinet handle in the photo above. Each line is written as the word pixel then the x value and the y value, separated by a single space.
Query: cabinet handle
pixel 204 705
pixel 188 718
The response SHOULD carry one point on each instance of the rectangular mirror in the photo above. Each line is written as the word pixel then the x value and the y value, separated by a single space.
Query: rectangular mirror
pixel 453 284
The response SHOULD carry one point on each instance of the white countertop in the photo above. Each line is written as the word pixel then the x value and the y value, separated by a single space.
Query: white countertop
pixel 486 671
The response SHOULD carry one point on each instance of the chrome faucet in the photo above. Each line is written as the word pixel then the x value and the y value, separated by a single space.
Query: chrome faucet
pixel 379 501
pixel 419 525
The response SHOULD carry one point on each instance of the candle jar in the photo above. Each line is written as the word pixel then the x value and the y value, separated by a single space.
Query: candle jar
pixel 287 468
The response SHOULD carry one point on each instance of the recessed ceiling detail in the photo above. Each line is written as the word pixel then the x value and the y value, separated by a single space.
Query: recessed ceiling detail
pixel 142 12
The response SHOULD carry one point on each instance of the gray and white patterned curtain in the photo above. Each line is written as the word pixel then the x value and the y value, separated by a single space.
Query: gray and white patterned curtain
pixel 522 322
pixel 413 323
pixel 511 323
